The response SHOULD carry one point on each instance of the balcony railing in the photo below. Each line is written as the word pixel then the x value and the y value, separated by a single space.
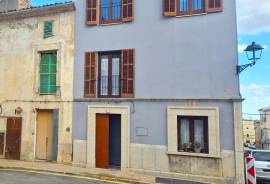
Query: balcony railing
pixel 109 86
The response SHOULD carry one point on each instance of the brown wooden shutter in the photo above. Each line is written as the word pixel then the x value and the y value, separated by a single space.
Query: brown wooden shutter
pixel 205 132
pixel 127 10
pixel 90 75
pixel 91 12
pixel 169 8
pixel 127 73
pixel 214 5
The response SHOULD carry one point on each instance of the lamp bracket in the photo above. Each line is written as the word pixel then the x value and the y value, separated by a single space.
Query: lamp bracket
pixel 241 68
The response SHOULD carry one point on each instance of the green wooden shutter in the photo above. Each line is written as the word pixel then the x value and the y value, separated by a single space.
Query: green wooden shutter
pixel 48 67
pixel 48 29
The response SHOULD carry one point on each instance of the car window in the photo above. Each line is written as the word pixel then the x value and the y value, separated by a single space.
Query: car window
pixel 262 156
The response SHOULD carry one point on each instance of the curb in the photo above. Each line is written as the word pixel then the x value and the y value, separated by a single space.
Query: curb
pixel 85 176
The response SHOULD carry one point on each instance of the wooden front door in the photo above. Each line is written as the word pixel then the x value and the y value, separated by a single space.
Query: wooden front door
pixel 44 135
pixel 102 141
pixel 13 138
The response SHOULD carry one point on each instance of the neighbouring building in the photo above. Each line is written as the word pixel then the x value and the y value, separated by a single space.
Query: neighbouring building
pixel 249 131
pixel 36 64
pixel 265 127
pixel 11 5
pixel 258 134
pixel 156 89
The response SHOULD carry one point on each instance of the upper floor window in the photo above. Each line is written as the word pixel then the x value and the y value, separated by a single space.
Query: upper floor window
pixel 109 11
pixel 48 29
pixel 109 74
pixel 186 7
pixel 47 72
pixel 113 71
pixel 191 7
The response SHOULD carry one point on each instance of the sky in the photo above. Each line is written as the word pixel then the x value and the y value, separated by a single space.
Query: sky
pixel 253 25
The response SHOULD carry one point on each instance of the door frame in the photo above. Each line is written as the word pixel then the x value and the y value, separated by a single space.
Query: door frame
pixel 124 111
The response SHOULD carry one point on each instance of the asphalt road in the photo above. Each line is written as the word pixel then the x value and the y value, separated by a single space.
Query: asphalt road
pixel 11 177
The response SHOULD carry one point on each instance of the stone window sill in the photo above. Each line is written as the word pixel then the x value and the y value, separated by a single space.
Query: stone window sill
pixel 194 154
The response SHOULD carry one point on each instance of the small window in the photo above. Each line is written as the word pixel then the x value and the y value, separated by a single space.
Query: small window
pixel 247 135
pixel 48 29
pixel 110 11
pixel 2 141
pixel 192 134
pixel 188 7
pixel 48 70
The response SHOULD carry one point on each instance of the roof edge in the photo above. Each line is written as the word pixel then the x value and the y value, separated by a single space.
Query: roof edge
pixel 38 11
pixel 264 109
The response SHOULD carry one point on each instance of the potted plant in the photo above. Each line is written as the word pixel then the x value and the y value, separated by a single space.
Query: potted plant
pixel 185 147
pixel 197 147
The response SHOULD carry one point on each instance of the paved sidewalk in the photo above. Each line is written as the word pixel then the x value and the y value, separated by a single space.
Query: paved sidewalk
pixel 110 175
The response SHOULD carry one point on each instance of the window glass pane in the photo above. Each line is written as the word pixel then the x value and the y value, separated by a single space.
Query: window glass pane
pixel 197 4
pixel 115 75
pixel 104 75
pixel 116 9
pixel 261 156
pixel 105 7
pixel 183 5
pixel 185 132
pixel 199 135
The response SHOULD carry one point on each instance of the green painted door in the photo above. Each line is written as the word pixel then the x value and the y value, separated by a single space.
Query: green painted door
pixel 48 67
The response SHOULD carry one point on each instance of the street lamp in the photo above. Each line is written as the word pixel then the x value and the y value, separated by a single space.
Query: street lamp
pixel 254 53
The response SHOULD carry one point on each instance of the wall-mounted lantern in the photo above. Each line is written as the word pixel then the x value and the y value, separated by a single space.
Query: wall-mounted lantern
pixel 254 53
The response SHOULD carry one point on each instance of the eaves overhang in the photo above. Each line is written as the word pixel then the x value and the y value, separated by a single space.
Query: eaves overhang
pixel 37 11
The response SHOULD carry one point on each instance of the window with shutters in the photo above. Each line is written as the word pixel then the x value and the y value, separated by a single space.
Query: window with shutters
pixel 48 29
pixel 48 71
pixel 109 11
pixel 115 74
pixel 190 7
pixel 192 134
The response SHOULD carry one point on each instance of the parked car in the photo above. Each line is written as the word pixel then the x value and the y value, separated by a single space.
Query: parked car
pixel 262 163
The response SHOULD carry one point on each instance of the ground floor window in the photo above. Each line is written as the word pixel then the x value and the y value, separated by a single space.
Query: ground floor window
pixel 192 134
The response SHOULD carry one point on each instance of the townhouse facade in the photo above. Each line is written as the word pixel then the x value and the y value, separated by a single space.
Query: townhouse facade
pixel 249 131
pixel 36 45
pixel 156 90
